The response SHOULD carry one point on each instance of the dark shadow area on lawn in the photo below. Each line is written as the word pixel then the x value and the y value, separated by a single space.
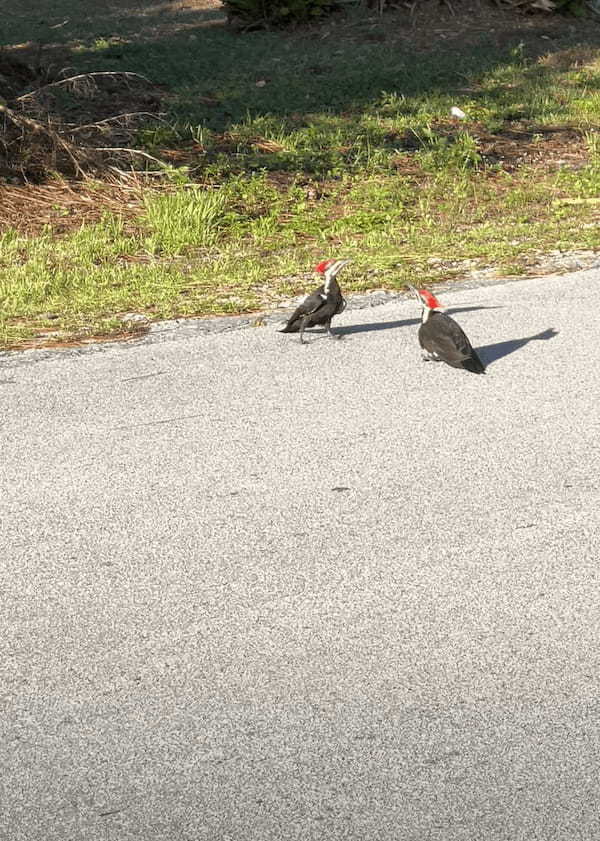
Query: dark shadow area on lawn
pixel 221 78
pixel 56 24
pixel 349 94
pixel 393 325
pixel 345 65
pixel 491 353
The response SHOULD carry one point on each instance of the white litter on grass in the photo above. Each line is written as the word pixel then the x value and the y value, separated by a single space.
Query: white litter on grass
pixel 457 112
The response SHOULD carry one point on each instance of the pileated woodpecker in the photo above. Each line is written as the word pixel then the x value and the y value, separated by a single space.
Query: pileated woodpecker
pixel 442 337
pixel 322 304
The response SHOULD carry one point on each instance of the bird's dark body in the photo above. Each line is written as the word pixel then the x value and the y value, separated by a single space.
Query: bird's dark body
pixel 317 309
pixel 445 340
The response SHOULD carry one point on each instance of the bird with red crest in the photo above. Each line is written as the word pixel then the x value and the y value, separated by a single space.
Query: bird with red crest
pixel 318 308
pixel 442 338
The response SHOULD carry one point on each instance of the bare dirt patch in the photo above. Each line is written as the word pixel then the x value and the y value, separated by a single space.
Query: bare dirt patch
pixel 521 142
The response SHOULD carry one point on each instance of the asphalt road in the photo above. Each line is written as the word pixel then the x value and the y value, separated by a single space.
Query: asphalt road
pixel 252 590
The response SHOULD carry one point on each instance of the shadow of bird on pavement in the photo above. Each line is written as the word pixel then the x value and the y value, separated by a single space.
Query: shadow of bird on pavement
pixel 491 353
pixel 347 330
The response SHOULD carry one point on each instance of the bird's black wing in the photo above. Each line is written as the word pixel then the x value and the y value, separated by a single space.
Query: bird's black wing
pixel 342 305
pixel 442 336
pixel 309 306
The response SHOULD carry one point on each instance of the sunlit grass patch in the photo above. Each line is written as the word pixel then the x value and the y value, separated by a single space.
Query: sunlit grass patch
pixel 305 147
pixel 182 219
pixel 257 244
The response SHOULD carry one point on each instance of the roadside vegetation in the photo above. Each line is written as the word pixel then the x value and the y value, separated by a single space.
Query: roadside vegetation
pixel 255 155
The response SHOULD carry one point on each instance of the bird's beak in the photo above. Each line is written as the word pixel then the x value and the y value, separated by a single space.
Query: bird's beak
pixel 337 267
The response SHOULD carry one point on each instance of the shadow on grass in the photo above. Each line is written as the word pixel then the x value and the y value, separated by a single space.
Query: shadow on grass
pixel 55 24
pixel 218 78
pixel 299 81
pixel 491 353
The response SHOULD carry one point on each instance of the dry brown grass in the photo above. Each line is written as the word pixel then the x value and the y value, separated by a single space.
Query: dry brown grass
pixel 44 134
pixel 570 59
pixel 64 205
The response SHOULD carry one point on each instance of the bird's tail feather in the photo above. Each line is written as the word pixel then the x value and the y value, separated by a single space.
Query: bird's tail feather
pixel 474 364
pixel 291 327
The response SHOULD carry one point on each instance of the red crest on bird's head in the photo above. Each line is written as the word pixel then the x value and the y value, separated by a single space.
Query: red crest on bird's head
pixel 324 265
pixel 429 299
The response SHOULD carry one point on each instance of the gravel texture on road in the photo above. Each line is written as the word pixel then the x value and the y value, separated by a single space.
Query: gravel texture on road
pixel 253 590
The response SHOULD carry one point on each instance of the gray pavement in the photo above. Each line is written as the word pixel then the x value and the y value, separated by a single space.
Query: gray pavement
pixel 253 590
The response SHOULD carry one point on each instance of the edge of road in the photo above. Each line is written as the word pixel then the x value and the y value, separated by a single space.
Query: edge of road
pixel 176 329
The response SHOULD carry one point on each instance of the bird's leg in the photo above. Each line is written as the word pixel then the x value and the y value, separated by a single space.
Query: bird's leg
pixel 330 334
pixel 302 327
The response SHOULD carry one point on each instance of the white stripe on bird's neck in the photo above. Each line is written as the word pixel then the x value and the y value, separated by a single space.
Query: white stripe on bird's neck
pixel 425 314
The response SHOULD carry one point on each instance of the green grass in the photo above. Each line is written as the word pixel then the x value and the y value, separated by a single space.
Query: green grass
pixel 176 221
pixel 347 150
